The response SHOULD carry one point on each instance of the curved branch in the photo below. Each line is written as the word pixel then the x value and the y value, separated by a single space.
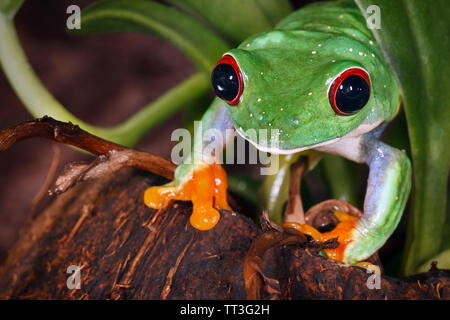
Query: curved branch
pixel 114 156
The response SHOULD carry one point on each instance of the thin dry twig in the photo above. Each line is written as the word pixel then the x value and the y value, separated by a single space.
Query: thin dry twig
pixel 294 209
pixel 48 181
pixel 112 157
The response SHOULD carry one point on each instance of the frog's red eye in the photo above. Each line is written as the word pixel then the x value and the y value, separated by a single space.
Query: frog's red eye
pixel 226 80
pixel 350 91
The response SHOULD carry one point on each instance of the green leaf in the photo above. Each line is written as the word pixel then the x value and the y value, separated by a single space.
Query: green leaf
pixel 446 238
pixel 274 190
pixel 415 40
pixel 201 45
pixel 189 94
pixel 10 7
pixel 237 19
pixel 39 101
pixel 341 178
pixel 396 134
pixel 275 10
pixel 442 259
pixel 244 187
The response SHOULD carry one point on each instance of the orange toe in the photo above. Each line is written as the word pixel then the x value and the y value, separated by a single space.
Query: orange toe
pixel 159 197
pixel 204 218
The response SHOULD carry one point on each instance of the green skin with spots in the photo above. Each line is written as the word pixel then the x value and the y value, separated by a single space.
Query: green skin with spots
pixel 287 73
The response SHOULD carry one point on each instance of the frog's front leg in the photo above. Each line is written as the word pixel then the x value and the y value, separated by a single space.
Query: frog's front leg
pixel 387 191
pixel 201 179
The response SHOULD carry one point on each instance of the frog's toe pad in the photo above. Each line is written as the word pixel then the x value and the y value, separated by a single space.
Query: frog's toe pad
pixel 204 218
pixel 159 197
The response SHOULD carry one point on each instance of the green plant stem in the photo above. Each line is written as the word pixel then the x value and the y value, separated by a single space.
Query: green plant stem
pixel 182 96
pixel 244 187
pixel 442 259
pixel 340 178
pixel 197 42
pixel 39 101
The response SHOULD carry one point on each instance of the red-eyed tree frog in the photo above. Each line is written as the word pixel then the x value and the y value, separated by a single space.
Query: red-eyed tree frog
pixel 320 79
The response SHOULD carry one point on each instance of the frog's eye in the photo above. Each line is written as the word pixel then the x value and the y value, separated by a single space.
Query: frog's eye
pixel 350 91
pixel 226 80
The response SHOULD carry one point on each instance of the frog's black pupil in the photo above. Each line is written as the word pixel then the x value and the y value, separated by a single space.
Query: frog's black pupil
pixel 352 94
pixel 225 81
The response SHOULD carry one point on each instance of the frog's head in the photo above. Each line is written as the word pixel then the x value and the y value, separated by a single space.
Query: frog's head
pixel 313 87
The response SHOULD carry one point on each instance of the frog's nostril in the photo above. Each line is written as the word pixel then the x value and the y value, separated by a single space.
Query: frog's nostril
pixel 226 80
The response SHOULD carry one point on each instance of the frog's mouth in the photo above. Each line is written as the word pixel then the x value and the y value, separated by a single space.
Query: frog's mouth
pixel 276 150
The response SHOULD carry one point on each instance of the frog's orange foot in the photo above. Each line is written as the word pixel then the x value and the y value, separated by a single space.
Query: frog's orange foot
pixel 343 232
pixel 206 187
